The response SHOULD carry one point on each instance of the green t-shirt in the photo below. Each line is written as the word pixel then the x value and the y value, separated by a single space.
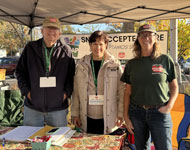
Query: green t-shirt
pixel 149 79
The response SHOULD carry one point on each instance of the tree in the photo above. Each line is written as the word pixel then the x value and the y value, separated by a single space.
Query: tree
pixel 14 37
pixel 162 25
pixel 67 29
pixel 128 27
pixel 183 35
pixel 183 38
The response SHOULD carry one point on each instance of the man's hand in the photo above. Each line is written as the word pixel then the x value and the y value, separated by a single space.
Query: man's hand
pixel 65 96
pixel 76 121
pixel 28 96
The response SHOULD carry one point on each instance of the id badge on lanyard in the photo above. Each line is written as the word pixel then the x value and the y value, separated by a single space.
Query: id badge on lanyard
pixel 47 82
pixel 96 99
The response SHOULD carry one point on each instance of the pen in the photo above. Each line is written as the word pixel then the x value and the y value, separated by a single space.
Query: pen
pixel 3 142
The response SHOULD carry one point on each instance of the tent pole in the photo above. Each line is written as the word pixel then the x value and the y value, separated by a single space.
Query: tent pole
pixel 174 47
pixel 31 34
pixel 174 39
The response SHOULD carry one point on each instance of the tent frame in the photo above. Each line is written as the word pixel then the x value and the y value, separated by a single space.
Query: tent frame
pixel 32 15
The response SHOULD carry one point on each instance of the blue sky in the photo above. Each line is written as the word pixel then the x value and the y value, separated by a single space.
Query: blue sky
pixel 88 28
pixel 84 29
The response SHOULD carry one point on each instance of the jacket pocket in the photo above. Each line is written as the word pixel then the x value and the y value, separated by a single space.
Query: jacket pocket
pixel 112 79
pixel 81 76
pixel 112 72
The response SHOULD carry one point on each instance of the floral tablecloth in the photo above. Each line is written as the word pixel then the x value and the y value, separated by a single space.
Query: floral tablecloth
pixel 100 142
pixel 79 141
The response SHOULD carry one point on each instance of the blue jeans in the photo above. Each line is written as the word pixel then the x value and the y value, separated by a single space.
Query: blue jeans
pixel 151 122
pixel 37 118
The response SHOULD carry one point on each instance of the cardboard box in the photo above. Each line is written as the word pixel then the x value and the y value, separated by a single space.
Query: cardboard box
pixel 41 145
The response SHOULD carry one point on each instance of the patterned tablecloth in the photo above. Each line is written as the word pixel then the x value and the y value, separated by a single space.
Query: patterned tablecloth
pixel 79 141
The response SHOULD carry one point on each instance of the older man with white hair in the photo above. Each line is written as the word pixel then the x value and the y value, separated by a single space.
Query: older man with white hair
pixel 45 74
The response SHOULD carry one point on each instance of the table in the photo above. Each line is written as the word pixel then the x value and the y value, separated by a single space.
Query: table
pixel 79 141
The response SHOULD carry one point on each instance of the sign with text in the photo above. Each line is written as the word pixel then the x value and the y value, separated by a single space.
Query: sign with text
pixel 120 44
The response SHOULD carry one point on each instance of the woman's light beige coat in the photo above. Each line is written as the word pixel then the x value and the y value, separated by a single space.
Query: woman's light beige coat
pixel 113 91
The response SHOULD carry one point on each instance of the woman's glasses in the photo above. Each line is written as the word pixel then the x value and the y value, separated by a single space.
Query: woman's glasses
pixel 145 35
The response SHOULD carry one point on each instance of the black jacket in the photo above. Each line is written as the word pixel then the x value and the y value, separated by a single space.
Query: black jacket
pixel 31 67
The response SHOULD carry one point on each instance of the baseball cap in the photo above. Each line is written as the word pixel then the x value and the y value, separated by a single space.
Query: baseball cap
pixel 51 22
pixel 146 27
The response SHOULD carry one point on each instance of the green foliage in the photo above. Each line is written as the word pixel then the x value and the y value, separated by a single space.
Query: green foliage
pixel 14 37
pixel 183 34
pixel 10 39
pixel 114 27
pixel 183 38
pixel 67 29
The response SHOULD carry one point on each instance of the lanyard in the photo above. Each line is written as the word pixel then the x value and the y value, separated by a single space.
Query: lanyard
pixel 94 76
pixel 47 58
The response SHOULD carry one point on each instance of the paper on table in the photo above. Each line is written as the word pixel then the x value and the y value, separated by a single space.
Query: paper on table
pixel 61 139
pixel 59 134
pixel 20 133
pixel 62 130
pixel 58 138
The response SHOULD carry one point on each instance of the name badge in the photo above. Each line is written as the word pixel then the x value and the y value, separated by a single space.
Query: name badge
pixel 96 99
pixel 47 82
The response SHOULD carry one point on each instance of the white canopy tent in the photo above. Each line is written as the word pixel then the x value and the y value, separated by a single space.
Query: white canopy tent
pixel 32 12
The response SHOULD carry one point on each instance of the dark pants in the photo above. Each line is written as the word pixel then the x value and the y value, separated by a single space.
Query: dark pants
pixel 151 122
pixel 95 126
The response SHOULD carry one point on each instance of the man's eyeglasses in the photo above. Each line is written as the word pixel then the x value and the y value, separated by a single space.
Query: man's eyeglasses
pixel 145 35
